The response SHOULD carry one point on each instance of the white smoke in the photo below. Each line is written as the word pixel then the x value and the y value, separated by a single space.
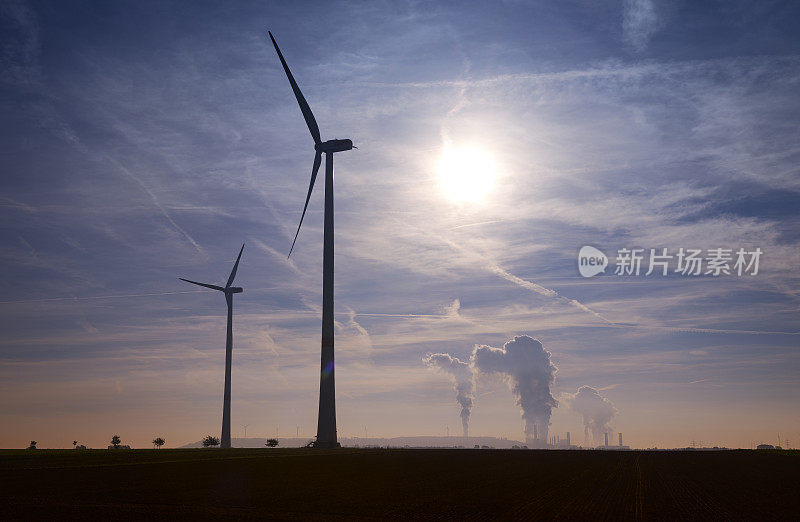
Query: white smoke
pixel 597 411
pixel 526 367
pixel 463 382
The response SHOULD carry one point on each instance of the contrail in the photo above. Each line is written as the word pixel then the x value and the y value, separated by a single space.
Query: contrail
pixel 701 330
pixel 477 224
pixel 609 325
pixel 97 297
pixel 155 201
pixel 539 289
pixel 530 285
pixel 437 316
pixel 119 296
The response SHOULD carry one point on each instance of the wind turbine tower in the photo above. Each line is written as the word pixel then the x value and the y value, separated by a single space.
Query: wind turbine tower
pixel 326 420
pixel 225 439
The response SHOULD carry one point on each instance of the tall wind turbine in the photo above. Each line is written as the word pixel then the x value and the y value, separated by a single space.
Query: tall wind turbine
pixel 326 421
pixel 225 440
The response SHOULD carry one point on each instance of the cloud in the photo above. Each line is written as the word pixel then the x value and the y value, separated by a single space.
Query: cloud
pixel 639 21
pixel 353 335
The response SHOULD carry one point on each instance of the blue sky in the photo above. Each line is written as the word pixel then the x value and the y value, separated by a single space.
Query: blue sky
pixel 142 142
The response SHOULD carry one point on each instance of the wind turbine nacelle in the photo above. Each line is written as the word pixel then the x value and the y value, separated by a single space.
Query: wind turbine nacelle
pixel 334 146
pixel 235 290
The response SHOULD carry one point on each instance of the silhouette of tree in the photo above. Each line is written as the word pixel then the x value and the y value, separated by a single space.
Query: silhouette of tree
pixel 210 441
pixel 158 442
pixel 115 441
pixel 271 443
pixel 32 445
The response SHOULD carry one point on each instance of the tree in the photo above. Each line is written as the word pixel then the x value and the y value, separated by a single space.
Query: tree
pixel 271 443
pixel 33 445
pixel 115 441
pixel 158 442
pixel 210 441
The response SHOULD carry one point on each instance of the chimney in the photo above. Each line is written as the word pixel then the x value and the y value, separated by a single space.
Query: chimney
pixel 620 439
pixel 606 439
pixel 568 439
pixel 535 436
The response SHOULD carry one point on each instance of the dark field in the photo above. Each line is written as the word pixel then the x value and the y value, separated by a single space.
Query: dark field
pixel 408 484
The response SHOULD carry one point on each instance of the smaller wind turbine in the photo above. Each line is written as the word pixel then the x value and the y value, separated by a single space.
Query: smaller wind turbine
pixel 225 440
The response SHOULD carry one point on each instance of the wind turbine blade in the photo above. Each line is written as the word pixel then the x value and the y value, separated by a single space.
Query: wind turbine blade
pixel 235 267
pixel 306 110
pixel 314 170
pixel 213 287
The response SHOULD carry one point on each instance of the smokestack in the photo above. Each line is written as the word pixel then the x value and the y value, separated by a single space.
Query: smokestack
pixel 461 376
pixel 606 439
pixel 620 439
pixel 597 412
pixel 526 367
pixel 535 435
pixel 568 439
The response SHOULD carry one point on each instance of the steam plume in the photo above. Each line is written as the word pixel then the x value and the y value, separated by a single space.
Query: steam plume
pixel 597 411
pixel 461 375
pixel 526 367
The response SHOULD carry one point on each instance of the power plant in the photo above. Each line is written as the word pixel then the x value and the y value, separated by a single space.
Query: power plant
pixel 620 446
pixel 557 442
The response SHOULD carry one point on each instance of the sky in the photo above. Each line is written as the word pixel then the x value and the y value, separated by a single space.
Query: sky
pixel 143 142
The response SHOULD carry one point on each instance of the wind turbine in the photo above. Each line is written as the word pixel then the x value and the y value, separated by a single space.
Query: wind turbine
pixel 326 421
pixel 225 440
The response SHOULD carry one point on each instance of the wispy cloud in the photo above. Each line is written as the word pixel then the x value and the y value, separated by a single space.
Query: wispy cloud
pixel 157 203
pixel 640 20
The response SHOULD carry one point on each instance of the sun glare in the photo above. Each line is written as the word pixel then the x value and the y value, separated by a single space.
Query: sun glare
pixel 466 173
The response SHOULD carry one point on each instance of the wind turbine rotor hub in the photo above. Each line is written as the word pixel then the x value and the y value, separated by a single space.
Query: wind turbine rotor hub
pixel 334 146
pixel 234 290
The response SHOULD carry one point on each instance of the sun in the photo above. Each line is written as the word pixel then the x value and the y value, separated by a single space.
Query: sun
pixel 466 174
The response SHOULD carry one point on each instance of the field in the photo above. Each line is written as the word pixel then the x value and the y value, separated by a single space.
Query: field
pixel 361 484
